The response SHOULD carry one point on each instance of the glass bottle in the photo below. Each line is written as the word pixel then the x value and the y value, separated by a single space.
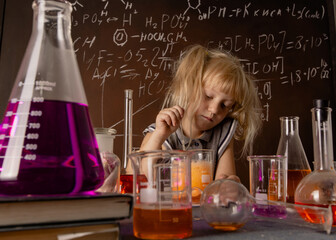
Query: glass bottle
pixel 319 187
pixel 47 143
pixel 111 162
pixel 291 147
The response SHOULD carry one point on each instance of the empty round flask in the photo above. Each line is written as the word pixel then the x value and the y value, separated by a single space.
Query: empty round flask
pixel 47 143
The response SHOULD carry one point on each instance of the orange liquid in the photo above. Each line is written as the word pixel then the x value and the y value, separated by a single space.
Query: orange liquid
pixel 273 191
pixel 228 227
pixel 162 224
pixel 294 177
pixel 201 176
pixel 126 182
pixel 313 216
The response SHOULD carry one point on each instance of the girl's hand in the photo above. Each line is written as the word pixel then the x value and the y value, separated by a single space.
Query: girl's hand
pixel 168 120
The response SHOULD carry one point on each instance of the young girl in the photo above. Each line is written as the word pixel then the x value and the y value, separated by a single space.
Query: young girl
pixel 210 100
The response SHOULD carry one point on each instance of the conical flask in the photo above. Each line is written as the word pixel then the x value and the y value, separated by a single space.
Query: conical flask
pixel 319 187
pixel 291 147
pixel 47 143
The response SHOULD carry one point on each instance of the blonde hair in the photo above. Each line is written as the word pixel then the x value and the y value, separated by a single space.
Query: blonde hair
pixel 224 71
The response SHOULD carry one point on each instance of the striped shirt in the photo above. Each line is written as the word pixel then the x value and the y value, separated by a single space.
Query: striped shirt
pixel 217 138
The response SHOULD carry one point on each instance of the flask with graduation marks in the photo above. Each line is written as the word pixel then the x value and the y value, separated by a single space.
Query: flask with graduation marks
pixel 47 143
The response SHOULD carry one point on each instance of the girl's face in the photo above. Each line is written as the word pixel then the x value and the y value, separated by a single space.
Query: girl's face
pixel 215 106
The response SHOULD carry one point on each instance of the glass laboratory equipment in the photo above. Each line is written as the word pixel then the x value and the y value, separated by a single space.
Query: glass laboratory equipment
pixel 47 143
pixel 227 205
pixel 162 194
pixel 319 187
pixel 111 162
pixel 126 176
pixel 202 171
pixel 291 147
pixel 267 177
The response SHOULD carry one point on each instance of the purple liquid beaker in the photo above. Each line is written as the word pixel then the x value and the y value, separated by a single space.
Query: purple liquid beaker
pixel 59 153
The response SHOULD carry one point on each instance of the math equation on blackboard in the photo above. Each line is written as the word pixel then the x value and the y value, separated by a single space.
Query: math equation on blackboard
pixel 124 44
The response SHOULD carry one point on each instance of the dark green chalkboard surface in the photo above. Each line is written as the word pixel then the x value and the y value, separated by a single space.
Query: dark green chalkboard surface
pixel 125 44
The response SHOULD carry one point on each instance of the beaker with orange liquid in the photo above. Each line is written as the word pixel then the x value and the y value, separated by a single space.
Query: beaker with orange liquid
pixel 291 147
pixel 202 171
pixel 162 204
pixel 319 187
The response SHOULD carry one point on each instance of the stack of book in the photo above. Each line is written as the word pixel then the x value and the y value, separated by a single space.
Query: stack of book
pixel 62 217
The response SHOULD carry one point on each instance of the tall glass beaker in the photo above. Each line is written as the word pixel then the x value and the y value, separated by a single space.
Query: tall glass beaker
pixel 319 187
pixel 162 200
pixel 291 147
pixel 47 144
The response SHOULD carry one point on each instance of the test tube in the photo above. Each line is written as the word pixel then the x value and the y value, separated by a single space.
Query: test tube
pixel 128 126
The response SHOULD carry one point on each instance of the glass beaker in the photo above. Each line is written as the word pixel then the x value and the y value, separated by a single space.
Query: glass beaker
pixel 202 171
pixel 111 162
pixel 162 194
pixel 319 187
pixel 267 177
pixel 226 205
pixel 291 147
pixel 47 143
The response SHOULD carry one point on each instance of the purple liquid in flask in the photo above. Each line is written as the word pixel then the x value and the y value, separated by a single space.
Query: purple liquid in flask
pixel 47 143
pixel 58 154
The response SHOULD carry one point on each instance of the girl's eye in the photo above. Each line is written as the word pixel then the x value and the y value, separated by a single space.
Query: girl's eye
pixel 208 97
pixel 223 105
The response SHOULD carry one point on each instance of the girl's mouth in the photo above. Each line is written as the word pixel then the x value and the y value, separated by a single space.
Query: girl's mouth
pixel 208 118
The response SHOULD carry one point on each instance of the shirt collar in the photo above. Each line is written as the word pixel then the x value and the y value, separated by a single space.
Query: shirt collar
pixel 206 136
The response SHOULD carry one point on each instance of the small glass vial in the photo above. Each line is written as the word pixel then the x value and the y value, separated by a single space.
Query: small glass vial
pixel 319 187
pixel 291 147
pixel 111 162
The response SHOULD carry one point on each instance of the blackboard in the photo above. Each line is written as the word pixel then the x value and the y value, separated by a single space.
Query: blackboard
pixel 288 46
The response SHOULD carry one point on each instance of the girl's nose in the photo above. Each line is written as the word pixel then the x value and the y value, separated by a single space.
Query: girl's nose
pixel 213 108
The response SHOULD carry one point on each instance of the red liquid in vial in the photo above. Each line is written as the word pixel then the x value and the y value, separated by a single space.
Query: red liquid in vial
pixel 59 152
pixel 126 182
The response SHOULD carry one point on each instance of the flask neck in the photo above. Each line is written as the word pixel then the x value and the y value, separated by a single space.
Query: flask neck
pixel 290 144
pixel 289 126
pixel 322 138
pixel 53 18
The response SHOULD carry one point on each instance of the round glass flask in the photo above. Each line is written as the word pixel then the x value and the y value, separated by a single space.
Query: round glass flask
pixel 291 147
pixel 47 143
pixel 319 187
